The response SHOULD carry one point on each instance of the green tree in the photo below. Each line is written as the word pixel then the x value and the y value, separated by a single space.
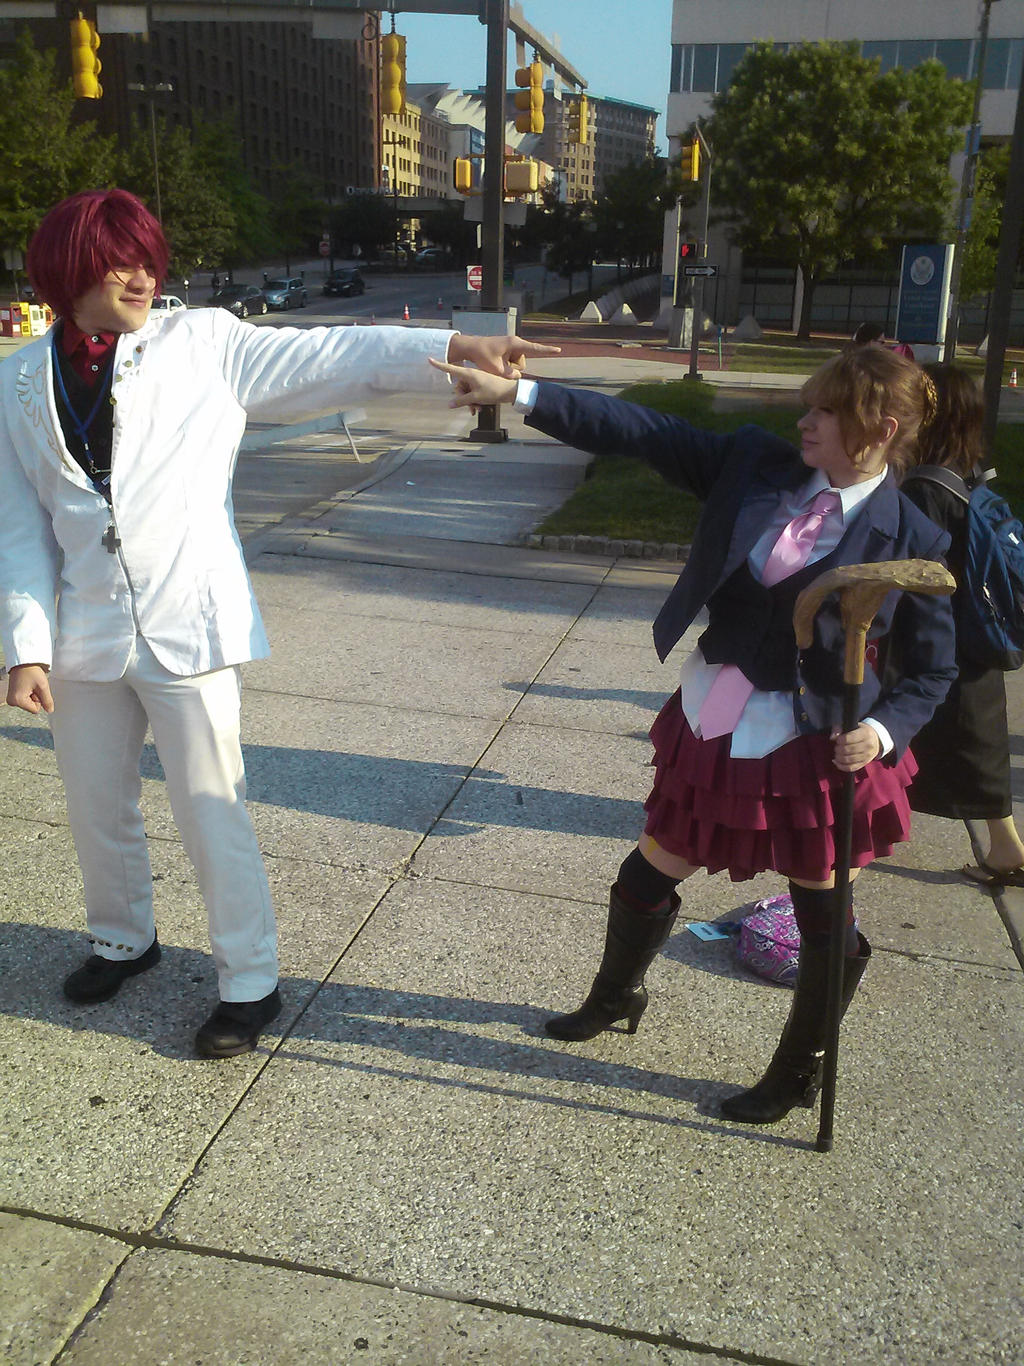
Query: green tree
pixel 45 152
pixel 630 213
pixel 298 213
pixel 195 211
pixel 982 248
pixel 820 160
pixel 366 221
pixel 567 232
pixel 218 150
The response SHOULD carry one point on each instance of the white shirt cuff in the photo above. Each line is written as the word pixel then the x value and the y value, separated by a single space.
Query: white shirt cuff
pixel 526 396
pixel 883 735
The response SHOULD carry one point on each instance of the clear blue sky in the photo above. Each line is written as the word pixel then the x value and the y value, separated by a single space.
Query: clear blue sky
pixel 620 47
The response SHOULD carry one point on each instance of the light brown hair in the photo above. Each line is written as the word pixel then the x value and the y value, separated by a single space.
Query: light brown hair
pixel 954 436
pixel 863 387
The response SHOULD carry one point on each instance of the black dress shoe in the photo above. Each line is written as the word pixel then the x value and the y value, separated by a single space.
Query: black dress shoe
pixel 234 1027
pixel 100 978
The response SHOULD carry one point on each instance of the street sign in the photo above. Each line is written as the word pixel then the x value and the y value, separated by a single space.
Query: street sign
pixel 474 277
pixel 700 270
pixel 325 248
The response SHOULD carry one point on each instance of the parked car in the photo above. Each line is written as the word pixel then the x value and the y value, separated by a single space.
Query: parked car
pixel 392 258
pixel 241 300
pixel 346 280
pixel 166 303
pixel 432 256
pixel 287 292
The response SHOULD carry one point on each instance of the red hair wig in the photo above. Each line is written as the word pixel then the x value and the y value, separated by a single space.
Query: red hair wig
pixel 85 236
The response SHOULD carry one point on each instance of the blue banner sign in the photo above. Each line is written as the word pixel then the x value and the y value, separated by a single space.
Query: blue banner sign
pixel 924 293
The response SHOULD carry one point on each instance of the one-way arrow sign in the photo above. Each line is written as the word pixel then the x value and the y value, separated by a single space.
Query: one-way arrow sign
pixel 700 270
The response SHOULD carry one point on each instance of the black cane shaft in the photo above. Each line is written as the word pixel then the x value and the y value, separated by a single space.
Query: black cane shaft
pixel 837 932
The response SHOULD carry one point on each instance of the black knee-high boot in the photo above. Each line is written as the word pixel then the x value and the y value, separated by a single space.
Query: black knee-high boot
pixel 632 942
pixel 794 1074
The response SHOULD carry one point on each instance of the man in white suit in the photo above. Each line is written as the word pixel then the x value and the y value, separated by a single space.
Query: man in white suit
pixel 124 596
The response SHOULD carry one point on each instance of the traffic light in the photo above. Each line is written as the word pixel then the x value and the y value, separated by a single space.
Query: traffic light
pixel 462 175
pixel 579 114
pixel 392 73
pixel 521 177
pixel 530 97
pixel 689 160
pixel 689 251
pixel 85 65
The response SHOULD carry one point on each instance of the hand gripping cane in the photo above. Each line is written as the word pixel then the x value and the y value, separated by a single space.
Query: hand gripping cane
pixel 861 589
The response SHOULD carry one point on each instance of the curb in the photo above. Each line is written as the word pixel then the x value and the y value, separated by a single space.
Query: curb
pixel 606 545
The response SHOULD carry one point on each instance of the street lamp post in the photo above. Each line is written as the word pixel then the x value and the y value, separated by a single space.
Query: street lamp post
pixel 147 92
pixel 967 188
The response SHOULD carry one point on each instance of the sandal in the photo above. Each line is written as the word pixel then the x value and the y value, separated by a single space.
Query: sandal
pixel 994 877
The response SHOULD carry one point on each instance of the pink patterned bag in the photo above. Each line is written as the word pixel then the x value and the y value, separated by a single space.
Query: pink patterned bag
pixel 769 942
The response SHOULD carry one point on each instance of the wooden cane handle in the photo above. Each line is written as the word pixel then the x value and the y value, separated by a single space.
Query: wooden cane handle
pixel 862 589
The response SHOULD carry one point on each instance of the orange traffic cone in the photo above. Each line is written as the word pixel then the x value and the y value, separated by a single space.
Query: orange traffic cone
pixel 405 313
pixel 1013 378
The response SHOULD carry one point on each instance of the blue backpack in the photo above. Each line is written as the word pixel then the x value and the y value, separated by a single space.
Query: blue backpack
pixel 990 601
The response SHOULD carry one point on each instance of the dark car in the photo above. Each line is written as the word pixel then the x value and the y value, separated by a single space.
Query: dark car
pixel 241 300
pixel 286 292
pixel 344 281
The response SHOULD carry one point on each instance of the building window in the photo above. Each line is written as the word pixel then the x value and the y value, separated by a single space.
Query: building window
pixel 1003 63
pixel 887 53
pixel 955 56
pixel 705 67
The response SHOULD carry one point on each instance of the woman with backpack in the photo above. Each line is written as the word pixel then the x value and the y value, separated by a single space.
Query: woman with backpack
pixel 749 754
pixel 963 753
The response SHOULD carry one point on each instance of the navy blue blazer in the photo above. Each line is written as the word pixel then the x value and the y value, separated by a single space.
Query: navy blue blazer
pixel 741 477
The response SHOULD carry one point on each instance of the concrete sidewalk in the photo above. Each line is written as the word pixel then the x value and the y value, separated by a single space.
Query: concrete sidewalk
pixel 446 757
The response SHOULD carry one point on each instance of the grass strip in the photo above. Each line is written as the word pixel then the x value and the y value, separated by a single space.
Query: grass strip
pixel 624 499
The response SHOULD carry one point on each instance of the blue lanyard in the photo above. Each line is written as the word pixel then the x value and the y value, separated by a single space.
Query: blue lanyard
pixel 81 428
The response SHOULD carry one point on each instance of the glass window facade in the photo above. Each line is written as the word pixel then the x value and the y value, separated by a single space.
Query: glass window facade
pixel 706 68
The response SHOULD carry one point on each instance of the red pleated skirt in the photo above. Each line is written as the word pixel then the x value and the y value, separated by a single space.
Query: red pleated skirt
pixel 777 814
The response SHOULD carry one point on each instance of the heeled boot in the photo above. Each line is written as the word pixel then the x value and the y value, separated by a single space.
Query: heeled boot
pixel 794 1074
pixel 632 941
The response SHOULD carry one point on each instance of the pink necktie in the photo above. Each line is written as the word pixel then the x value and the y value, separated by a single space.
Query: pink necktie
pixel 730 692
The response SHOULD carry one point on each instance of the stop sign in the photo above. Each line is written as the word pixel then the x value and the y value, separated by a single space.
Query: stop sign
pixel 325 248
pixel 474 277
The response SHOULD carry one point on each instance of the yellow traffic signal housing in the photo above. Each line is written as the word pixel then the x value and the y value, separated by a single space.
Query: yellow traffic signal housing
pixel 584 117
pixel 579 113
pixel 392 73
pixel 530 98
pixel 521 177
pixel 85 65
pixel 689 161
pixel 462 175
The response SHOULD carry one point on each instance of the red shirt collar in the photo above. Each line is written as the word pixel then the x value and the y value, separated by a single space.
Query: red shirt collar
pixel 87 351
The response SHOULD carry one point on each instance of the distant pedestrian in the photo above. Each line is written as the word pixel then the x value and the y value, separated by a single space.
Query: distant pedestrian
pixel 963 752
pixel 749 758
pixel 124 596
pixel 868 333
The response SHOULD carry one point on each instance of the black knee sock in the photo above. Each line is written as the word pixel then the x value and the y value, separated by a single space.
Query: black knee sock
pixel 812 908
pixel 641 886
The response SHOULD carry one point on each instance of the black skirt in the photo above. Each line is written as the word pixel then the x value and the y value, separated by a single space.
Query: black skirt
pixel 963 753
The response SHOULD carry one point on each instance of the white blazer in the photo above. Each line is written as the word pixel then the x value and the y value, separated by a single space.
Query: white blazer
pixel 182 388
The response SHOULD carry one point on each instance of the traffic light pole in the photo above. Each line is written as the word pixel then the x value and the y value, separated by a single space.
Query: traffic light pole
pixel 488 427
pixel 697 321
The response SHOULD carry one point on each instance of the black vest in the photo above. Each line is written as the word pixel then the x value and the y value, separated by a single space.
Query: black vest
pixel 751 626
pixel 83 398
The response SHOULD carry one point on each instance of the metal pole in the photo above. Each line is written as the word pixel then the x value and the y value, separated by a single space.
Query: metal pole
pixel 156 159
pixel 493 224
pixel 698 292
pixel 966 191
pixel 1006 270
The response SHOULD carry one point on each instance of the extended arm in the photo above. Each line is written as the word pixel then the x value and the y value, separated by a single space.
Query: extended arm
pixel 683 454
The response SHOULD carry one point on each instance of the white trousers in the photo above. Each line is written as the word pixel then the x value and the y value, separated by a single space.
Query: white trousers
pixel 98 731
